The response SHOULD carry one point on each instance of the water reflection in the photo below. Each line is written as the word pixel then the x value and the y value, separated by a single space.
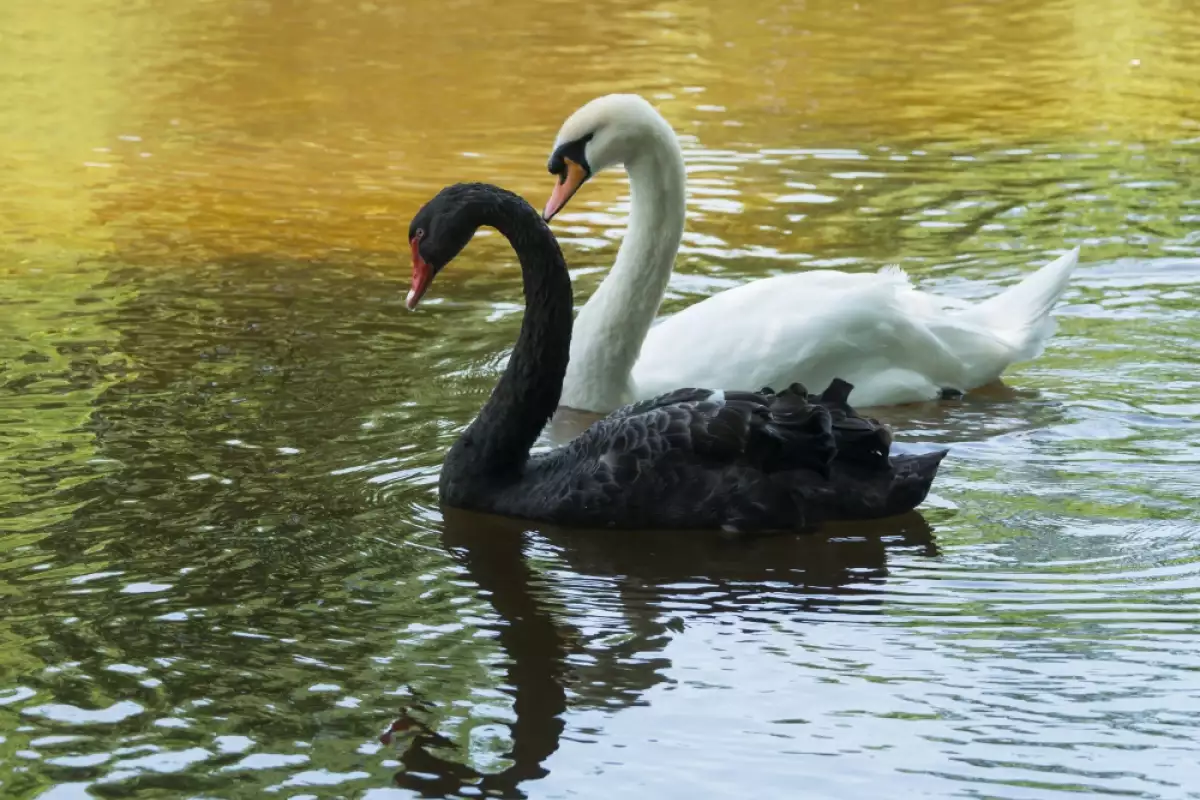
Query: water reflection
pixel 225 560
pixel 656 583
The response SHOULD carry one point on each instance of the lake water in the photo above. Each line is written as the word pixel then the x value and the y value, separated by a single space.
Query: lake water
pixel 223 571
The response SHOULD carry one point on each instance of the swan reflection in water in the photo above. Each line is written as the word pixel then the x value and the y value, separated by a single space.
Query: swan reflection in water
pixel 648 572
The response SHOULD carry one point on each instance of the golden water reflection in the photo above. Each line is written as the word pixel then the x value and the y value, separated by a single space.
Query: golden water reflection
pixel 164 131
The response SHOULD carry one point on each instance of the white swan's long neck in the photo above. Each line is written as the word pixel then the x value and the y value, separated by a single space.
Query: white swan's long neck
pixel 613 323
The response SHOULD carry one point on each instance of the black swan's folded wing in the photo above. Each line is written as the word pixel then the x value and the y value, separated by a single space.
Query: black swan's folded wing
pixel 709 428
pixel 861 441
pixel 765 430
pixel 694 456
pixel 669 399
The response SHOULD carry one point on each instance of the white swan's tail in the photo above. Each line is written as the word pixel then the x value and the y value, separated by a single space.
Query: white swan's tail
pixel 1020 315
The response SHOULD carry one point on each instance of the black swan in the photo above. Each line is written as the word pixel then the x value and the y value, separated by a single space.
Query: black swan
pixel 690 459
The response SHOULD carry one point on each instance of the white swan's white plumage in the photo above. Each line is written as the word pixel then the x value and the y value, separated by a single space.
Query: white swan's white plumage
pixel 875 330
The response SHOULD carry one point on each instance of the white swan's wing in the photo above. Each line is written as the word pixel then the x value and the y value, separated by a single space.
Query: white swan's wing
pixel 868 329
pixel 894 343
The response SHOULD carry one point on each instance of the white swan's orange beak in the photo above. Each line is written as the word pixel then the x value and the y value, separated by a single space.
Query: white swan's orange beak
pixel 568 183
pixel 422 276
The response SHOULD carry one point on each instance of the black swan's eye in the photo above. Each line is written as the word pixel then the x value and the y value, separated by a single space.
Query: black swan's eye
pixel 420 234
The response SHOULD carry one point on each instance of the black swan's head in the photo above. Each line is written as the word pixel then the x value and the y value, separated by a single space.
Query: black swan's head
pixel 442 228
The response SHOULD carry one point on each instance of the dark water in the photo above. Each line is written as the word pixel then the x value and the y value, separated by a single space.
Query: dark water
pixel 223 572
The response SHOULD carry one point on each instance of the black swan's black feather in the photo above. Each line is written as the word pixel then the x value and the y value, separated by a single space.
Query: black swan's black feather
pixel 691 458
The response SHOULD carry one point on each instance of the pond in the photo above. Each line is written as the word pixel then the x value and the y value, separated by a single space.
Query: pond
pixel 223 569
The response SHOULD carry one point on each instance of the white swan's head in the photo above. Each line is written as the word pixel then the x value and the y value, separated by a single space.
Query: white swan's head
pixel 606 132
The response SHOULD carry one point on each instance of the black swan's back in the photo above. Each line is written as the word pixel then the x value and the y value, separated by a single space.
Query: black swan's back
pixel 698 458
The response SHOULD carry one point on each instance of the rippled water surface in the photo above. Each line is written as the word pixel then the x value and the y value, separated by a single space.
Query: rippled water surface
pixel 223 572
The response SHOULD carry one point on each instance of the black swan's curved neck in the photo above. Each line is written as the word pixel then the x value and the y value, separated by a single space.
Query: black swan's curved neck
pixel 495 447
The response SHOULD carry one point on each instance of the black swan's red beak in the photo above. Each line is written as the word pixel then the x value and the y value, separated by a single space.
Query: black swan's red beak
pixel 421 278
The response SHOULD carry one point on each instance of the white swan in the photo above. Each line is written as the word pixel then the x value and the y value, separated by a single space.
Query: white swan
pixel 894 343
